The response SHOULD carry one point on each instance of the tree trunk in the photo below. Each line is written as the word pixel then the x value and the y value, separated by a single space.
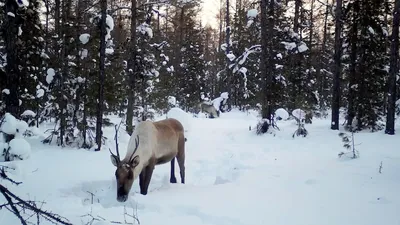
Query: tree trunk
pixel 131 71
pixel 264 58
pixel 62 100
pixel 12 74
pixel 228 49
pixel 394 54
pixel 267 26
pixel 100 103
pixel 337 67
pixel 353 58
pixel 320 64
pixel 296 24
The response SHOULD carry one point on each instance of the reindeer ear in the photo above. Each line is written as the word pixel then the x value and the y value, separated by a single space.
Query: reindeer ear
pixel 134 161
pixel 114 160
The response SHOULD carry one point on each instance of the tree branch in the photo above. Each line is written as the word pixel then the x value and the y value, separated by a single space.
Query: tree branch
pixel 30 206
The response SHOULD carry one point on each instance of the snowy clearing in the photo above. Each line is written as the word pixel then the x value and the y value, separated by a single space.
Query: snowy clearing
pixel 233 177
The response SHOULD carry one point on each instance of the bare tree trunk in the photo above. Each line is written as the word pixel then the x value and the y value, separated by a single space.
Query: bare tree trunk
pixel 394 55
pixel 337 67
pixel 131 71
pixel 100 103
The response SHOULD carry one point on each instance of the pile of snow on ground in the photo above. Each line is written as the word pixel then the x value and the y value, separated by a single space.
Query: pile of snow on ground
pixel 18 147
pixel 181 116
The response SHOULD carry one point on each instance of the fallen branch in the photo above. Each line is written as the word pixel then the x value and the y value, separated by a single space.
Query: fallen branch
pixel 18 206
pixel 4 176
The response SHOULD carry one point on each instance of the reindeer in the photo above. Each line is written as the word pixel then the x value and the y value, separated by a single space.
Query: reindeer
pixel 210 109
pixel 156 143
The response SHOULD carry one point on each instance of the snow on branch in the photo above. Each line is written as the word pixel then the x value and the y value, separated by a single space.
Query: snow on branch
pixel 243 57
pixel 251 15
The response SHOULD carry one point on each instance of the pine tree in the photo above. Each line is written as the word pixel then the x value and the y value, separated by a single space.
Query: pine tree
pixel 368 69
pixel 394 56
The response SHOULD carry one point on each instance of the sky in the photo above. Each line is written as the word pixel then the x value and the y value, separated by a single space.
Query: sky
pixel 210 9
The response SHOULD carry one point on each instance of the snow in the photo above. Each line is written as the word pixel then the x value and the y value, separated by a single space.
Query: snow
pixel 231 56
pixel 224 95
pixel 243 70
pixel 385 32
pixel 302 48
pixel 299 114
pixel 6 91
pixel 9 124
pixel 289 45
pixel 217 101
pixel 80 79
pixel 110 26
pixel 84 38
pixel 20 147
pixel 109 51
pixel 50 75
pixel 282 113
pixel 22 3
pixel 233 177
pixel 181 116
pixel 144 28
pixel 39 93
pixel 12 126
pixel 83 53
pixel 371 30
pixel 252 13
pixel 28 113
pixel 172 100
pixel 71 64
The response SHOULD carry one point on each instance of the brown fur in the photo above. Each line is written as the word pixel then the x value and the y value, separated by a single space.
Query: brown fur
pixel 159 142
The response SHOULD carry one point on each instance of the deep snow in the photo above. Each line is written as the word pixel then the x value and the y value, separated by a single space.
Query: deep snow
pixel 233 177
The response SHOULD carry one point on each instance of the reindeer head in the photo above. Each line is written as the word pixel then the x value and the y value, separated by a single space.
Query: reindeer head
pixel 124 172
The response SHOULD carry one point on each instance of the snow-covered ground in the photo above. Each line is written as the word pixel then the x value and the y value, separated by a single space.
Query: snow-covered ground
pixel 233 177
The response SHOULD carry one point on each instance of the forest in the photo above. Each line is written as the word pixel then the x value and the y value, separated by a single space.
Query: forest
pixel 60 60
pixel 78 64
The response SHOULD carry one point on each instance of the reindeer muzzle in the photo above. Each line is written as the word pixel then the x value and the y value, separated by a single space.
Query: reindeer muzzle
pixel 122 196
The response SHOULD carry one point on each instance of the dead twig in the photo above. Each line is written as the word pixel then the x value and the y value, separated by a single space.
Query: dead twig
pixel 4 176
pixel 18 206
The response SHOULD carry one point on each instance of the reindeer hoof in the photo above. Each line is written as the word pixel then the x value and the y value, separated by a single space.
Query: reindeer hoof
pixel 143 192
pixel 172 180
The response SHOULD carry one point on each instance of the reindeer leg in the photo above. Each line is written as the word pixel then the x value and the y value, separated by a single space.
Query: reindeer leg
pixel 142 177
pixel 173 178
pixel 149 172
pixel 181 158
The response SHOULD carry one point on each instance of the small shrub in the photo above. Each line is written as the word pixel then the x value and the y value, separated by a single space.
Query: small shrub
pixel 348 144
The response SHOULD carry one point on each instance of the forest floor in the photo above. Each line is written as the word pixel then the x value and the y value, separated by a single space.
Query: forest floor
pixel 233 177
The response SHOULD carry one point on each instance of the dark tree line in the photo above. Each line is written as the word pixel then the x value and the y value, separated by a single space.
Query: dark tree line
pixel 83 60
